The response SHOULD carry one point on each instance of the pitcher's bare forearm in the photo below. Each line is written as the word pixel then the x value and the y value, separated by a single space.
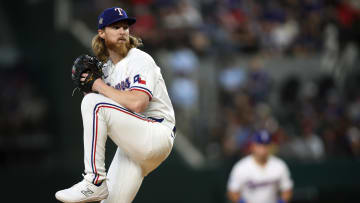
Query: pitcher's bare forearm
pixel 135 101
pixel 286 195
pixel 234 197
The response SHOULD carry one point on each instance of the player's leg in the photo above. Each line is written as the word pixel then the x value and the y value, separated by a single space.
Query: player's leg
pixel 124 179
pixel 147 143
pixel 125 175
pixel 95 136
pixel 142 139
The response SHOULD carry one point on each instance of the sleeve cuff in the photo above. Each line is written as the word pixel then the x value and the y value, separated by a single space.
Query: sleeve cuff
pixel 143 89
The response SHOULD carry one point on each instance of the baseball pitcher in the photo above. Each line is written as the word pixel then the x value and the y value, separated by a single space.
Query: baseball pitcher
pixel 127 100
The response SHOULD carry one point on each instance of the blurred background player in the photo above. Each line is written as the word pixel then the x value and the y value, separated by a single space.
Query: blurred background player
pixel 259 177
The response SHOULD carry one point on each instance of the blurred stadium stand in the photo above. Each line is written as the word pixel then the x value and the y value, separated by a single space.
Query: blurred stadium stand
pixel 230 65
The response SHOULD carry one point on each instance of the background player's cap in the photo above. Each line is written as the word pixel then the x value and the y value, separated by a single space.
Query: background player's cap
pixel 261 137
pixel 112 15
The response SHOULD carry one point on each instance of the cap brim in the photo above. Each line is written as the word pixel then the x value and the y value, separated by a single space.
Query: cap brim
pixel 262 143
pixel 130 21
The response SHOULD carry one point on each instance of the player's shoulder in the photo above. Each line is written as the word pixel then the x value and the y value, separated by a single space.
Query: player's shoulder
pixel 276 161
pixel 138 54
pixel 243 163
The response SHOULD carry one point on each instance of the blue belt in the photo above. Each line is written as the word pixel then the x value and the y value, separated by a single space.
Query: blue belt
pixel 161 120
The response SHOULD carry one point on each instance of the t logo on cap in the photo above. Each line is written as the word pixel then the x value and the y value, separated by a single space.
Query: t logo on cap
pixel 119 10
pixel 113 15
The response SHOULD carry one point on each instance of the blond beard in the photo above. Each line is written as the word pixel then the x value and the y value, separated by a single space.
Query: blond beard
pixel 122 49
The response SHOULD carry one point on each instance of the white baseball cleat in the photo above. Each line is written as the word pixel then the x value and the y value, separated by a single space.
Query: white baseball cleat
pixel 83 191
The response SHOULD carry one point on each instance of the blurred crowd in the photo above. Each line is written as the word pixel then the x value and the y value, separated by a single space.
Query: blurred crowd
pixel 293 27
pixel 309 120
pixel 197 44
pixel 25 134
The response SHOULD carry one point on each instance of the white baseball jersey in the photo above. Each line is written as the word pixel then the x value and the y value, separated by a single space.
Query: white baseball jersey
pixel 138 71
pixel 258 184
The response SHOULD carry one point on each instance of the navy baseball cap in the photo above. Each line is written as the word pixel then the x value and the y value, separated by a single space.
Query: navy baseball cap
pixel 261 137
pixel 113 15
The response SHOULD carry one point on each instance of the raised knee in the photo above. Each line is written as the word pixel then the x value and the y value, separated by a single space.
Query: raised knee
pixel 89 101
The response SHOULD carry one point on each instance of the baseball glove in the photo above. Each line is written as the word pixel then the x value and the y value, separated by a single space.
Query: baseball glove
pixel 86 64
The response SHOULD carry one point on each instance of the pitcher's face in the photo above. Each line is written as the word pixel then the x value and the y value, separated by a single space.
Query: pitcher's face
pixel 116 35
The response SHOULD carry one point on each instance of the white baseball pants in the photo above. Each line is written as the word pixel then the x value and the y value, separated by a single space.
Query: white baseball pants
pixel 142 145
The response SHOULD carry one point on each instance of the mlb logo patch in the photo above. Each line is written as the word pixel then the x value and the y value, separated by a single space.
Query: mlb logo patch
pixel 139 79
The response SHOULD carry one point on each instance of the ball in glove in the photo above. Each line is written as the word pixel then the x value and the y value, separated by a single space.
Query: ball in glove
pixel 86 64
